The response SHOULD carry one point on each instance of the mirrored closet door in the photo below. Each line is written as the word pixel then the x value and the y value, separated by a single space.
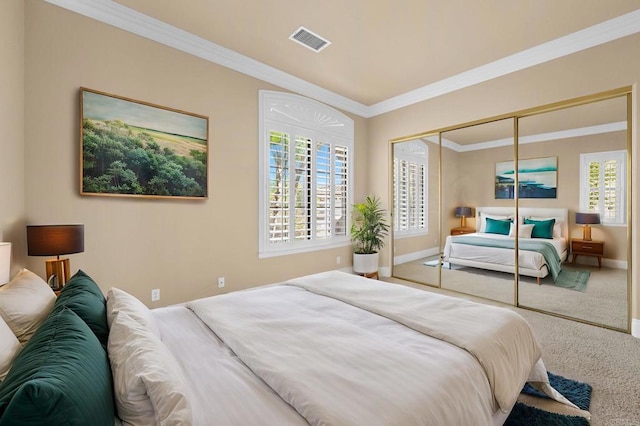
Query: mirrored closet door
pixel 415 210
pixel 544 192
pixel 472 219
pixel 572 165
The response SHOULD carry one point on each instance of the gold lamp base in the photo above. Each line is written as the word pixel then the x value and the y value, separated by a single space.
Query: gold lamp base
pixel 60 268
pixel 586 233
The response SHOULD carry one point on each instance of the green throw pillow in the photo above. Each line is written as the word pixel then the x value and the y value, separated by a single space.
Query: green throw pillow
pixel 61 377
pixel 497 226
pixel 83 296
pixel 541 228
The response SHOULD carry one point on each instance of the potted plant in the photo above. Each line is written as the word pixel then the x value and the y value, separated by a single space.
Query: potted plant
pixel 368 231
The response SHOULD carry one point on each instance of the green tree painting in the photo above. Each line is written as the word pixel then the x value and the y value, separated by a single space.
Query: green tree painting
pixel 130 148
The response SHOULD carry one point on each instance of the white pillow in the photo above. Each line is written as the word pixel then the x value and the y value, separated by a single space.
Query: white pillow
pixel 9 349
pixel 25 302
pixel 524 231
pixel 483 220
pixel 148 385
pixel 121 301
pixel 557 226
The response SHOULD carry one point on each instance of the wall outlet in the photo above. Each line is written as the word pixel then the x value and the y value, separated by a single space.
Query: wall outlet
pixel 155 294
pixel 338 260
pixel 220 282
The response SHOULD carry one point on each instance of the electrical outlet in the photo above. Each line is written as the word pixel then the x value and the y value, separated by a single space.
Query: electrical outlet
pixel 220 282
pixel 155 294
pixel 338 260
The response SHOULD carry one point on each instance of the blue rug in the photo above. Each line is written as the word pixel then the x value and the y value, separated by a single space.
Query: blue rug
pixel 576 392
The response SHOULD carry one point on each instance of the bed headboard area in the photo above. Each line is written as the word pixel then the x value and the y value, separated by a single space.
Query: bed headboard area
pixel 560 215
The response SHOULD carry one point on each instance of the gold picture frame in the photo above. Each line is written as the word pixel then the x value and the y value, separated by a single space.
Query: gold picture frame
pixel 131 148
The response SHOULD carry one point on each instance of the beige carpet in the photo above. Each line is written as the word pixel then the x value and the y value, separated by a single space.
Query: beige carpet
pixel 603 302
pixel 608 360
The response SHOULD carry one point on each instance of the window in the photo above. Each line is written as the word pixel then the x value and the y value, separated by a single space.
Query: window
pixel 306 161
pixel 410 166
pixel 603 185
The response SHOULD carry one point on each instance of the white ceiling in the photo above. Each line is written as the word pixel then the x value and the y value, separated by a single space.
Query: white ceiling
pixel 384 54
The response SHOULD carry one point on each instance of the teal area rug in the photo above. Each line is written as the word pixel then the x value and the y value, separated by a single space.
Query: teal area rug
pixel 573 279
pixel 577 392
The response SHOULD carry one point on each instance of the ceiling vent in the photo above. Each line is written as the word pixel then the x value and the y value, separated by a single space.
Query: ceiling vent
pixel 309 40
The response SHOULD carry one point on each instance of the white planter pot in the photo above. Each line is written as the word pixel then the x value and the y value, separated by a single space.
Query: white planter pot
pixel 365 263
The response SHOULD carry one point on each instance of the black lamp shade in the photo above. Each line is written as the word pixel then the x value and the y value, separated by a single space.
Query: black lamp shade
pixel 54 240
pixel 588 218
pixel 463 211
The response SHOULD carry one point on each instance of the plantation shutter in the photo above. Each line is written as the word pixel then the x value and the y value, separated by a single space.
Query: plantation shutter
pixel 409 195
pixel 309 200
pixel 603 181
pixel 306 158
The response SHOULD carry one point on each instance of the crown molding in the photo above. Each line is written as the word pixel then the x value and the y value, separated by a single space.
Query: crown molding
pixel 119 16
pixel 540 137
pixel 124 18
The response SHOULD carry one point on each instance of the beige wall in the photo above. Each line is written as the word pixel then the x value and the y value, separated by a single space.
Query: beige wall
pixel 598 69
pixel 180 247
pixel 12 201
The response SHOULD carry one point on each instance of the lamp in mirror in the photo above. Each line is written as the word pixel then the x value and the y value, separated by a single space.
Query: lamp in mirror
pixel 5 262
pixel 55 240
pixel 587 219
pixel 463 213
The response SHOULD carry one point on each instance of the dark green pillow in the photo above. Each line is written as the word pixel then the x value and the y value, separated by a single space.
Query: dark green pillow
pixel 83 296
pixel 497 226
pixel 83 281
pixel 61 377
pixel 541 228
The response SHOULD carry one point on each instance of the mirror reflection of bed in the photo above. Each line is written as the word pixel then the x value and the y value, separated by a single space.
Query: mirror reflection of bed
pixel 492 247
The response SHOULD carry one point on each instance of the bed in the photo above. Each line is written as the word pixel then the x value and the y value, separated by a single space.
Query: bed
pixel 330 348
pixel 495 251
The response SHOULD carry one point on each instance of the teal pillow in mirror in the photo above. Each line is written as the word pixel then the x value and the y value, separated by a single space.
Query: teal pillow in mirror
pixel 497 226
pixel 61 377
pixel 541 228
pixel 83 296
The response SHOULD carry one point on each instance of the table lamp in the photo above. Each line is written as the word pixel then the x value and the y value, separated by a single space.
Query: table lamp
pixel 5 262
pixel 55 240
pixel 462 213
pixel 587 219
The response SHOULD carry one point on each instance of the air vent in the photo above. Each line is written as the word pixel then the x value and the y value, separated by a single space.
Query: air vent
pixel 309 40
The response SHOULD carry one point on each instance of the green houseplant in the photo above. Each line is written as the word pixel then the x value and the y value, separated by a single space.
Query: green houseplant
pixel 368 230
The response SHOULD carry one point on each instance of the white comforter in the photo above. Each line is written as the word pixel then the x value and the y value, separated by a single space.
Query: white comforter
pixel 338 364
pixel 501 256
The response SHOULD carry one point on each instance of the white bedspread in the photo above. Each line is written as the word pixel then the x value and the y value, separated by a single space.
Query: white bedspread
pixel 338 364
pixel 501 256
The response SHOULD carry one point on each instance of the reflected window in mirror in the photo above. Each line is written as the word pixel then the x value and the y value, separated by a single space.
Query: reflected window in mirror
pixel 603 185
pixel 410 171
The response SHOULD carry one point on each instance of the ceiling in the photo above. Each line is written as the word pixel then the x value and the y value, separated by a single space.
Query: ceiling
pixel 383 55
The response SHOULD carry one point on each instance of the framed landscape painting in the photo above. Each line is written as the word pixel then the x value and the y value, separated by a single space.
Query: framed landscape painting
pixel 537 178
pixel 137 149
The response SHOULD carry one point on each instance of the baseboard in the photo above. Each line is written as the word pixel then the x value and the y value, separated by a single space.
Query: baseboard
pixel 409 257
pixel 635 327
pixel 614 263
pixel 609 263
pixel 384 271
